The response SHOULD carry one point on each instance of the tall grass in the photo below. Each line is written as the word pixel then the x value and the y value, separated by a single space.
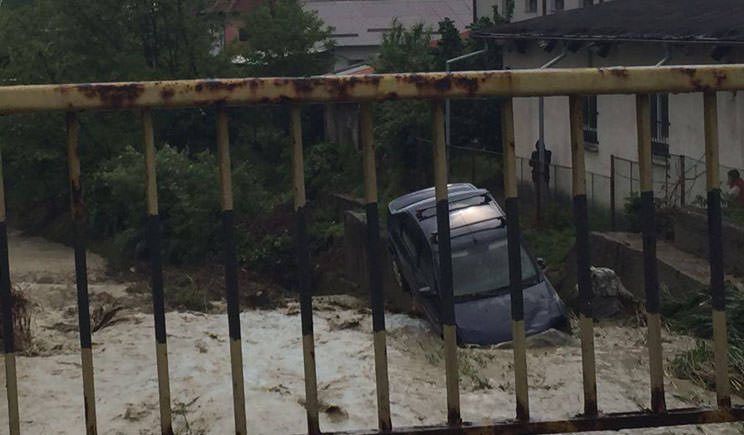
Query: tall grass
pixel 691 314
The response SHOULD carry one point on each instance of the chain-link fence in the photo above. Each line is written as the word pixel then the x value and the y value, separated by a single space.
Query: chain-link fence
pixel 483 168
pixel 678 180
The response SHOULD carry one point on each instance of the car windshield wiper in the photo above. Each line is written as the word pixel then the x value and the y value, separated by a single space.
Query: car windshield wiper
pixel 529 282
pixel 484 294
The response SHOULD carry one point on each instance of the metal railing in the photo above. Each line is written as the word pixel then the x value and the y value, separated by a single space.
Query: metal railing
pixel 221 94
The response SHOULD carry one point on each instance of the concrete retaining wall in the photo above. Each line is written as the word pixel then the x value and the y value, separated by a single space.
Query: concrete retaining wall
pixel 691 235
pixel 679 272
pixel 355 261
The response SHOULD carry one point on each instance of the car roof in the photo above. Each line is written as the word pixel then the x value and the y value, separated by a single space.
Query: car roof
pixel 419 198
pixel 467 219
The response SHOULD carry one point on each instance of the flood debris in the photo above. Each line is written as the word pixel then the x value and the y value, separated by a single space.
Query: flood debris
pixel 21 309
pixel 549 338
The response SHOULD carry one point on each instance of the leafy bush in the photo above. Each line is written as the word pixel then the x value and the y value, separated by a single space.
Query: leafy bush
pixel 333 167
pixel 188 193
pixel 664 216
pixel 270 254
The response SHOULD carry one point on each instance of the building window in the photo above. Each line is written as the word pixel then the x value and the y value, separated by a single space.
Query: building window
pixel 530 6
pixel 587 3
pixel 558 5
pixel 590 120
pixel 660 124
pixel 243 35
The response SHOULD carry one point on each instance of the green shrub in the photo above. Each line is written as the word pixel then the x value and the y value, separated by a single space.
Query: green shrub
pixel 333 168
pixel 664 216
pixel 269 253
pixel 188 194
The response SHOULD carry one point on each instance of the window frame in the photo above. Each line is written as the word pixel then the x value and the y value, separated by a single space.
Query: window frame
pixel 659 113
pixel 591 120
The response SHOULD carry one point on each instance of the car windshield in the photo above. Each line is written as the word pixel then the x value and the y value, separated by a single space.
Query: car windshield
pixel 484 267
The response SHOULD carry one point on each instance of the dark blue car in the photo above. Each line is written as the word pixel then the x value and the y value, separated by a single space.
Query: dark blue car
pixel 479 265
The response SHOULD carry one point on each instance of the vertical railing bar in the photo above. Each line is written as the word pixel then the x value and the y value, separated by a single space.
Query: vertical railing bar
pixel 650 273
pixel 555 183
pixel 449 330
pixel 515 262
pixel 231 271
pixel 6 299
pixel 715 235
pixel 613 205
pixel 154 242
pixel 304 275
pixel 666 180
pixel 374 268
pixel 592 184
pixel 586 322
pixel 682 181
pixel 81 271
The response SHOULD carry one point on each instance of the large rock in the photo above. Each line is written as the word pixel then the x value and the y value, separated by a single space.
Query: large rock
pixel 611 298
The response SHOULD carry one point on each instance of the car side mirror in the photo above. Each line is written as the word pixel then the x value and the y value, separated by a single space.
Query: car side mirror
pixel 541 263
pixel 426 291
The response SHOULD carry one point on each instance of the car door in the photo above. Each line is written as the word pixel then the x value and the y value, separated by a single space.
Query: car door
pixel 431 304
pixel 408 254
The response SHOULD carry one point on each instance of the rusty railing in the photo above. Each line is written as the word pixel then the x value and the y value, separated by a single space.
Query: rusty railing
pixel 221 94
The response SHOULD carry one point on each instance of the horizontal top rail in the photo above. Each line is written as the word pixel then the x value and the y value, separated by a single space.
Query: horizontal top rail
pixel 472 84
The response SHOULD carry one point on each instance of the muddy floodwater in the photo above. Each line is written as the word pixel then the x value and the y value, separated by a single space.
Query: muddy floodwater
pixel 50 384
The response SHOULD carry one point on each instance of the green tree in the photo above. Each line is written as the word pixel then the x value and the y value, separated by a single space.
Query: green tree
pixel 405 50
pixel 281 38
pixel 403 128
pixel 449 45
pixel 506 15
pixel 122 41
pixel 43 42
pixel 48 41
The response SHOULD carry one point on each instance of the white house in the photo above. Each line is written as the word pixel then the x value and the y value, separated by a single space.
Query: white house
pixel 629 33
pixel 526 9
pixel 358 25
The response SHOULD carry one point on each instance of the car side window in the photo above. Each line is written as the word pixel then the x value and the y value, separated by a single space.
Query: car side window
pixel 425 263
pixel 408 238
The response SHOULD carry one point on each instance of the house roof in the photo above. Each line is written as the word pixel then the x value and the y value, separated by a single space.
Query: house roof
pixel 674 21
pixel 363 22
pixel 235 5
pixel 355 70
pixel 465 34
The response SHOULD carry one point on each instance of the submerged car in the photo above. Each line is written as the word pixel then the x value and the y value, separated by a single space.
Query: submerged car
pixel 480 265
